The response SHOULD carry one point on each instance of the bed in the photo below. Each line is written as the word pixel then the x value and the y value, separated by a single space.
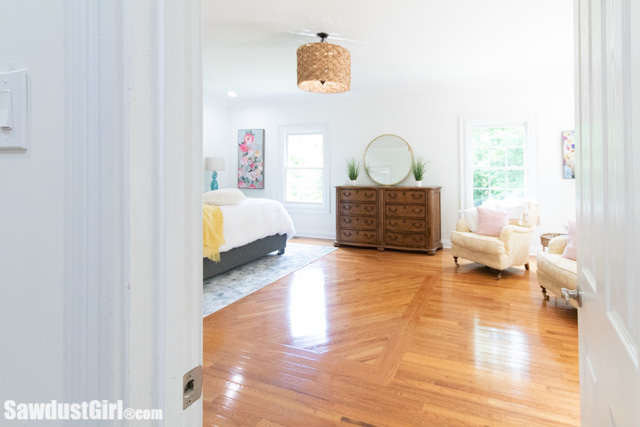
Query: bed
pixel 252 228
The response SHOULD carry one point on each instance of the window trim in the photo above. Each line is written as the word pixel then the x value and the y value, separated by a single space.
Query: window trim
pixel 325 206
pixel 528 120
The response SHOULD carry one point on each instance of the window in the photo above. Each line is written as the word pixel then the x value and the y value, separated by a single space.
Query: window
pixel 496 160
pixel 306 169
pixel 497 163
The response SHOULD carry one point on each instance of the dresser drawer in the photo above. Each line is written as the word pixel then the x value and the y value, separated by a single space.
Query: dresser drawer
pixel 405 240
pixel 411 211
pixel 358 195
pixel 397 224
pixel 404 196
pixel 355 236
pixel 366 209
pixel 358 222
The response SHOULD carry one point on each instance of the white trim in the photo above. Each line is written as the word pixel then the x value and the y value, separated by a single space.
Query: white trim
pixel 325 207
pixel 133 322
pixel 466 122
pixel 181 84
pixel 315 234
pixel 95 202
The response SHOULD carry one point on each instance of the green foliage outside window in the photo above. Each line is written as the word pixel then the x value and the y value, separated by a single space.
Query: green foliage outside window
pixel 304 168
pixel 499 162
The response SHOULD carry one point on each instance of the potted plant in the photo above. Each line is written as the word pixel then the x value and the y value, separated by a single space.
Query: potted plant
pixel 353 169
pixel 419 168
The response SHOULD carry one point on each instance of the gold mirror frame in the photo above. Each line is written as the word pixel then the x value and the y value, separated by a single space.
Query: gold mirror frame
pixel 367 168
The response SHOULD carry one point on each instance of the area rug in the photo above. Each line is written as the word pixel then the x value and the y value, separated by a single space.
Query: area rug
pixel 229 287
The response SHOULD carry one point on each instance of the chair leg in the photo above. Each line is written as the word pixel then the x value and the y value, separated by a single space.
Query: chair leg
pixel 526 266
pixel 544 293
pixel 499 276
pixel 455 259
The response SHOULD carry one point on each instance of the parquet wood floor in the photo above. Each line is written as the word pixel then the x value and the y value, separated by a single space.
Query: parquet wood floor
pixel 370 338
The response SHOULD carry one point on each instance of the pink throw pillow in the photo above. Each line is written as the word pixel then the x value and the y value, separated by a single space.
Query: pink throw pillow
pixel 570 251
pixel 491 221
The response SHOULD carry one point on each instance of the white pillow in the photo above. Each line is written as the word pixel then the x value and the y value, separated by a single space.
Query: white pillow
pixel 471 216
pixel 491 204
pixel 515 207
pixel 226 196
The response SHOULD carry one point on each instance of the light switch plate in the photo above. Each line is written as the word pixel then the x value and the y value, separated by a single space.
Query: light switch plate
pixel 13 110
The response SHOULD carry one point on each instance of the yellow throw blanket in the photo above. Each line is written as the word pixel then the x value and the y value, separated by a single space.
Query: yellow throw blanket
pixel 212 231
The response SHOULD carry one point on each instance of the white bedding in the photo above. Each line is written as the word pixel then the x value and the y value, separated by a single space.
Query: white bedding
pixel 253 219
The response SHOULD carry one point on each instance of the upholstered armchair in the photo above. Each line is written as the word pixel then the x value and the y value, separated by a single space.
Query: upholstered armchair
pixel 555 271
pixel 510 248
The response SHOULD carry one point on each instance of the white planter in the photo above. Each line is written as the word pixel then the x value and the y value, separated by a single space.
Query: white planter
pixel 353 182
pixel 418 183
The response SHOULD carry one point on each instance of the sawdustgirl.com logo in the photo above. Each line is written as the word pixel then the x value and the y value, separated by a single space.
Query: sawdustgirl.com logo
pixel 92 410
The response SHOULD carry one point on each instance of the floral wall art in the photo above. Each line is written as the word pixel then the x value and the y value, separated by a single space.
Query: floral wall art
pixel 568 155
pixel 251 158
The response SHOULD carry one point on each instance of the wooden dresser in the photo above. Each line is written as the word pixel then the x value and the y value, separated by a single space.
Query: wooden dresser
pixel 406 218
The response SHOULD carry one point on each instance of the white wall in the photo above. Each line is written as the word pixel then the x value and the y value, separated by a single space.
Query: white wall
pixel 31 209
pixel 217 142
pixel 428 122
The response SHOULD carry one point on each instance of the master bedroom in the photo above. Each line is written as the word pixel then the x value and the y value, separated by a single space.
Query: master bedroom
pixel 383 245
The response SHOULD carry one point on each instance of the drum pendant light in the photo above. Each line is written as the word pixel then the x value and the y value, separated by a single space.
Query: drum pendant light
pixel 324 67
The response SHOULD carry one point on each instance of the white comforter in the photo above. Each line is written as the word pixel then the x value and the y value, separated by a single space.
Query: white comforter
pixel 253 219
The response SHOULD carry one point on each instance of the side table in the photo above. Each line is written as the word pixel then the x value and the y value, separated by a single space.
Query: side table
pixel 546 238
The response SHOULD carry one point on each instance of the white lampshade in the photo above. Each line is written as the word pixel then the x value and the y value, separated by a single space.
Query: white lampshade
pixel 214 163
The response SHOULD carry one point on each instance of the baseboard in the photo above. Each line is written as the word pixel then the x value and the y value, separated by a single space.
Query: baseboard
pixel 314 234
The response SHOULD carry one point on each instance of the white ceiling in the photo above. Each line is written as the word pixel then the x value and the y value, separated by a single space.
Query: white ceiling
pixel 249 46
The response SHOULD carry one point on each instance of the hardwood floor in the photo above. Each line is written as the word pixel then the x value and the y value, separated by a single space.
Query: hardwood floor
pixel 370 338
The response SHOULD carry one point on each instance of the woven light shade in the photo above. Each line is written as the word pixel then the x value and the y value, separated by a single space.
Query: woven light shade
pixel 324 67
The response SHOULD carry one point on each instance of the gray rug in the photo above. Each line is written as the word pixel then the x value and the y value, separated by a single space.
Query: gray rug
pixel 229 287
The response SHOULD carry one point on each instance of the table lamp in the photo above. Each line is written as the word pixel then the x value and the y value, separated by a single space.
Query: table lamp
pixel 214 164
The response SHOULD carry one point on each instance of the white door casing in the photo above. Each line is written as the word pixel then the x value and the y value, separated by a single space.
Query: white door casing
pixel 133 159
pixel 608 192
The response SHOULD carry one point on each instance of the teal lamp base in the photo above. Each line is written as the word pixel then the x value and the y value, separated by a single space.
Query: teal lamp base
pixel 214 182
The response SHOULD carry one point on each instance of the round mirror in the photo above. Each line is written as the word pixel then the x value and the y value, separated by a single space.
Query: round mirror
pixel 388 159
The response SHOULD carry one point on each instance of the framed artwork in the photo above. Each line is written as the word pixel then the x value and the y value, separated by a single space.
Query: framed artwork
pixel 568 155
pixel 251 158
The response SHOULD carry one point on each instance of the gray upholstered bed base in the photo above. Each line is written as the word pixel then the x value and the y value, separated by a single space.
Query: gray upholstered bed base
pixel 238 256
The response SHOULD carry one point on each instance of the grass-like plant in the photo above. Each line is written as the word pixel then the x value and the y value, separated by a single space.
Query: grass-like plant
pixel 353 168
pixel 419 168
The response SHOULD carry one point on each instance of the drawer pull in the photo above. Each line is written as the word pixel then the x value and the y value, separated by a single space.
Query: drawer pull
pixel 346 207
pixel 347 193
pixel 369 221
pixel 394 210
pixel 417 210
pixel 346 233
pixel 369 195
pixel 417 239
pixel 368 208
pixel 392 237
pixel 393 223
pixel 417 224
pixel 347 220
pixel 417 195
pixel 392 195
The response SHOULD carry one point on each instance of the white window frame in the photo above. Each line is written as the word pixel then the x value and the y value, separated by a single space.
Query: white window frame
pixel 467 123
pixel 325 206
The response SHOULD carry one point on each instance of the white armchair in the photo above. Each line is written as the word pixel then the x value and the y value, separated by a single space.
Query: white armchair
pixel 510 249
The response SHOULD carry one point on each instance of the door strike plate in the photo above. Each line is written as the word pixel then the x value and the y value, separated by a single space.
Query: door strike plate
pixel 191 386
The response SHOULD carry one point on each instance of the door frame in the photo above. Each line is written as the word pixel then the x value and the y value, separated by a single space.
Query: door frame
pixel 132 216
